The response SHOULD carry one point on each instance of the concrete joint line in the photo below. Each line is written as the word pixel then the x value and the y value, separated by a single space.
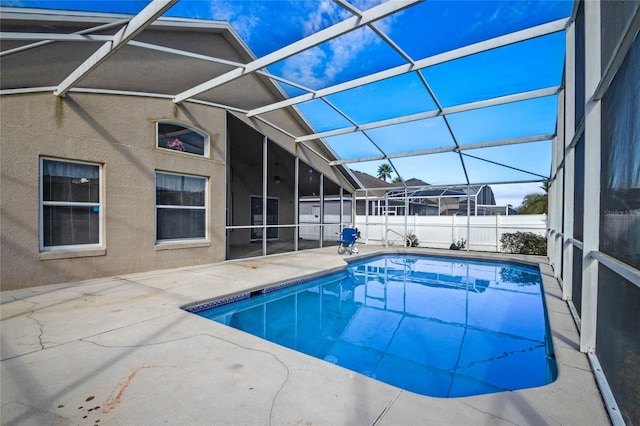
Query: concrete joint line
pixel 387 408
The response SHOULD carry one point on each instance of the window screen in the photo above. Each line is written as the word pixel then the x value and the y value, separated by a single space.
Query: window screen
pixel 180 207
pixel 70 202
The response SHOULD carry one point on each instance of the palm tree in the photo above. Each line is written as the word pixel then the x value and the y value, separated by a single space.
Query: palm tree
pixel 384 171
pixel 397 179
pixel 534 204
pixel 545 186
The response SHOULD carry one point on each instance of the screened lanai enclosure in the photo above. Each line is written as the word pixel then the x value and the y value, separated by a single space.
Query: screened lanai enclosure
pixel 304 208
pixel 429 200
pixel 281 105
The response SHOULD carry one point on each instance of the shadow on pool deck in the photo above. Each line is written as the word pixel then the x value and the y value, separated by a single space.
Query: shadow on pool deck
pixel 120 350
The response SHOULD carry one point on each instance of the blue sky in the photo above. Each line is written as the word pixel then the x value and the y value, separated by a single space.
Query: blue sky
pixel 421 31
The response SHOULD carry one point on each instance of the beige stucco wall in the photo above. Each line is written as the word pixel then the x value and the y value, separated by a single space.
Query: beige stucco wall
pixel 118 132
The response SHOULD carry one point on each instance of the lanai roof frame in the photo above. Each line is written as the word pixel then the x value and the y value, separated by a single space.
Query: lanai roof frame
pixel 366 18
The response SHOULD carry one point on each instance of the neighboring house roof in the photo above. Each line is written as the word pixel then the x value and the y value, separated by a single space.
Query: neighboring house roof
pixel 415 182
pixel 377 185
pixel 417 188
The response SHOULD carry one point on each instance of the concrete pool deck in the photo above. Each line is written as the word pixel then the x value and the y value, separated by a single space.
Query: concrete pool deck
pixel 120 350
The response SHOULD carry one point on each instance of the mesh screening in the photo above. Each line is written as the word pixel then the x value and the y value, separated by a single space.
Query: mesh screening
pixel 620 175
pixel 580 65
pixel 618 341
pixel 576 285
pixel 614 16
pixel 618 324
pixel 578 188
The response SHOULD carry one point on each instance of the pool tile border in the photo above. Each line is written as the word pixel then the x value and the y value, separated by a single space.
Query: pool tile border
pixel 217 303
pixel 243 296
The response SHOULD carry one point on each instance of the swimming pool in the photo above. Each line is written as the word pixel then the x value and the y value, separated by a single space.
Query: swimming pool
pixel 442 327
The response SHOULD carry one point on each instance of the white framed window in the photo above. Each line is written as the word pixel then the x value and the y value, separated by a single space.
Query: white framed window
pixel 181 207
pixel 178 137
pixel 70 204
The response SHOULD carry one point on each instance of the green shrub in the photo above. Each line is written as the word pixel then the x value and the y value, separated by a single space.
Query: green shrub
pixel 411 240
pixel 524 243
pixel 519 277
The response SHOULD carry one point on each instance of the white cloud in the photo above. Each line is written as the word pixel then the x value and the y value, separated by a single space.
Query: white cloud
pixel 321 65
pixel 246 24
pixel 316 67
pixel 303 67
pixel 324 15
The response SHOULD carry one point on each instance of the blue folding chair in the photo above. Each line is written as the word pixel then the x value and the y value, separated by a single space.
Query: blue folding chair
pixel 347 241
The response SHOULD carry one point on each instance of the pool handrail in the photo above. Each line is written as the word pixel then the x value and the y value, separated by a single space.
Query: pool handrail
pixel 386 238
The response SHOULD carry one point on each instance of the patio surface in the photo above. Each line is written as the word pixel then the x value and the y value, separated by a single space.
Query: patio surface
pixel 121 351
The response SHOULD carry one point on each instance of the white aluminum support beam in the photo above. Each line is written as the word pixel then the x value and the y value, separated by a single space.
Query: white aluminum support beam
pixel 577 243
pixel 50 37
pixel 339 111
pixel 551 231
pixel 348 6
pixel 265 192
pixel 558 184
pixel 540 93
pixel 296 203
pixel 569 212
pixel 529 33
pixel 285 81
pixel 184 53
pixel 137 24
pixel 321 227
pixel 392 44
pixel 44 42
pixel 569 162
pixel 591 218
pixel 215 60
pixel 446 122
pixel 577 134
pixel 366 135
pixel 451 185
pixel 26 90
pixel 468 221
pixel 381 11
pixel 574 11
pixel 514 141
pixel 555 209
pixel 627 272
pixel 543 177
pixel 315 152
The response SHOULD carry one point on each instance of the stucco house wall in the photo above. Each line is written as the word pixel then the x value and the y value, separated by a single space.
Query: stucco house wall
pixel 118 132
pixel 109 118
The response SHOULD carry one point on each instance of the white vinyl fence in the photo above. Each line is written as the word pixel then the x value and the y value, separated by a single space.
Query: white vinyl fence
pixel 481 233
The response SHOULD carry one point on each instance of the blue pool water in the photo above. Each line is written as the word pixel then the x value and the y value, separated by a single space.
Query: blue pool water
pixel 436 326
